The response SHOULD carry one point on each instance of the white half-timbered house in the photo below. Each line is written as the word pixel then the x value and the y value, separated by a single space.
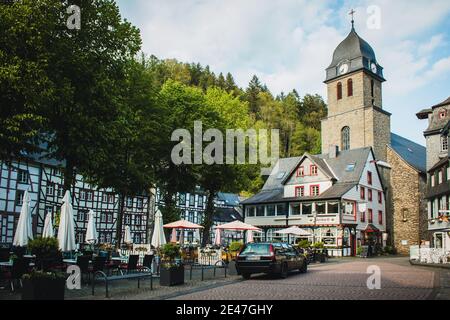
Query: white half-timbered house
pixel 44 181
pixel 338 197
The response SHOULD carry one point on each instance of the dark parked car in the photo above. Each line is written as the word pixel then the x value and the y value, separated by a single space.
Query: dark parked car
pixel 270 258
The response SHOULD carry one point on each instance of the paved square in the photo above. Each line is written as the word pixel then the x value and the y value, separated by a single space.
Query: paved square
pixel 343 280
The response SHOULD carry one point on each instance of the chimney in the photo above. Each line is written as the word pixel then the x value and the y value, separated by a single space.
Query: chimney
pixel 334 151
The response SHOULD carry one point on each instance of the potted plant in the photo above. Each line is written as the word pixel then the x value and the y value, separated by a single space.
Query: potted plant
pixel 319 254
pixel 234 249
pixel 171 272
pixel 42 283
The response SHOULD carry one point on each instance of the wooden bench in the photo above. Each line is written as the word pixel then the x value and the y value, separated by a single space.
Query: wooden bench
pixel 129 276
pixel 217 265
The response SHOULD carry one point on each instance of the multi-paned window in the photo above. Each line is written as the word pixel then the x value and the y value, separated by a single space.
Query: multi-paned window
pixel 19 197
pixel 192 200
pixel 313 170
pixel 444 143
pixel 138 220
pixel 271 210
pixel 50 190
pixel 260 211
pixel 200 202
pixel 369 178
pixel 301 172
pixel 140 203
pixel 370 216
pixel 182 199
pixel 299 192
pixel 129 202
pixel 22 176
pixel 315 191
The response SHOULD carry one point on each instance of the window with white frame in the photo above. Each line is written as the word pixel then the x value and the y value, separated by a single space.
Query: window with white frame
pixel 50 190
pixel 271 210
pixel 295 209
pixel 307 209
pixel 281 210
pixel 22 176
pixel 19 197
pixel 82 195
pixel 140 203
pixel 260 211
pixel 129 202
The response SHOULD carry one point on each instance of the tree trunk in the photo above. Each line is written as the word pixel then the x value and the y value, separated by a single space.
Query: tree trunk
pixel 208 220
pixel 69 176
pixel 119 221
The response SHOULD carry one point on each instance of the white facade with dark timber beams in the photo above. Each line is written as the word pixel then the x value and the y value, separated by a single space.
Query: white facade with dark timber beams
pixel 337 196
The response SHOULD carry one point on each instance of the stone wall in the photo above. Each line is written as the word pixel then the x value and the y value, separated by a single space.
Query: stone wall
pixel 407 188
pixel 369 125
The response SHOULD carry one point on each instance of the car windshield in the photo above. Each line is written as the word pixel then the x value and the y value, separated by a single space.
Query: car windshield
pixel 255 248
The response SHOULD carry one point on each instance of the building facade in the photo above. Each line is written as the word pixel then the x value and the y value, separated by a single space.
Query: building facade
pixel 438 186
pixel 44 181
pixel 338 197
pixel 357 119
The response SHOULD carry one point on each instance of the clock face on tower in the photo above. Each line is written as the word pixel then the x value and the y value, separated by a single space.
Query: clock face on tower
pixel 373 67
pixel 343 68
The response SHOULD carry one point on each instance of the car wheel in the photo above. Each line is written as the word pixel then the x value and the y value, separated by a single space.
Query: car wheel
pixel 304 267
pixel 284 271
pixel 246 276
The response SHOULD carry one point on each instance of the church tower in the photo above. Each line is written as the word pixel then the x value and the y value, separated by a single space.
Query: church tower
pixel 356 117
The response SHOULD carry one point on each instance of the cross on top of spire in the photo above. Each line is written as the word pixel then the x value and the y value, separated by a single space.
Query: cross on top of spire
pixel 352 13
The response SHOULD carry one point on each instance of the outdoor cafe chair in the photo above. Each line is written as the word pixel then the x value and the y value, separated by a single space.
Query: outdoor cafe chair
pixel 4 254
pixel 83 264
pixel 131 265
pixel 19 267
pixel 147 262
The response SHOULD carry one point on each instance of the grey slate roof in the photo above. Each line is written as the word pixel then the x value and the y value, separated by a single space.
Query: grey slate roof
pixel 413 153
pixel 357 52
pixel 227 215
pixel 273 190
pixel 230 199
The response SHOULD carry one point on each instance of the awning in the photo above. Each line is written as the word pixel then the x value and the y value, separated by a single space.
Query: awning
pixel 371 229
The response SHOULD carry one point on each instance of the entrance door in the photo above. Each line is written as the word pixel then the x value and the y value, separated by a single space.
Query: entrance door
pixel 353 244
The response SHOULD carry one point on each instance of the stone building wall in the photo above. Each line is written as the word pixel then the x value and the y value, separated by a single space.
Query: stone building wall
pixel 408 205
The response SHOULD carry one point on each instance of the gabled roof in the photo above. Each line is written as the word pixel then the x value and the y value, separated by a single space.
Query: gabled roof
pixel 320 163
pixel 413 153
pixel 273 190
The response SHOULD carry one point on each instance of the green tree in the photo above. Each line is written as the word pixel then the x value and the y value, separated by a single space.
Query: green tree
pixel 78 71
pixel 224 177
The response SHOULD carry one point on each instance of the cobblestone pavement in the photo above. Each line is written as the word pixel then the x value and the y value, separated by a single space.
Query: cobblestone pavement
pixel 127 289
pixel 344 280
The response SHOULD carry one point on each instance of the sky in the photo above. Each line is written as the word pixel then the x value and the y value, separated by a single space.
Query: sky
pixel 288 44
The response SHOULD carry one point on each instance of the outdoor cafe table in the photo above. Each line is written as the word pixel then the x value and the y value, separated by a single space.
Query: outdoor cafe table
pixel 9 264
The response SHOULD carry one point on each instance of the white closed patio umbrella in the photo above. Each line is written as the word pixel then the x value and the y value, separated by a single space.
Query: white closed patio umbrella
pixel 24 231
pixel 48 227
pixel 91 232
pixel 158 238
pixel 66 230
pixel 127 239
pixel 250 236
pixel 218 237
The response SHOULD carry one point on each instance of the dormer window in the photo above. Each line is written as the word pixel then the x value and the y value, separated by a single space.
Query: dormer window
pixel 350 88
pixel 339 91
